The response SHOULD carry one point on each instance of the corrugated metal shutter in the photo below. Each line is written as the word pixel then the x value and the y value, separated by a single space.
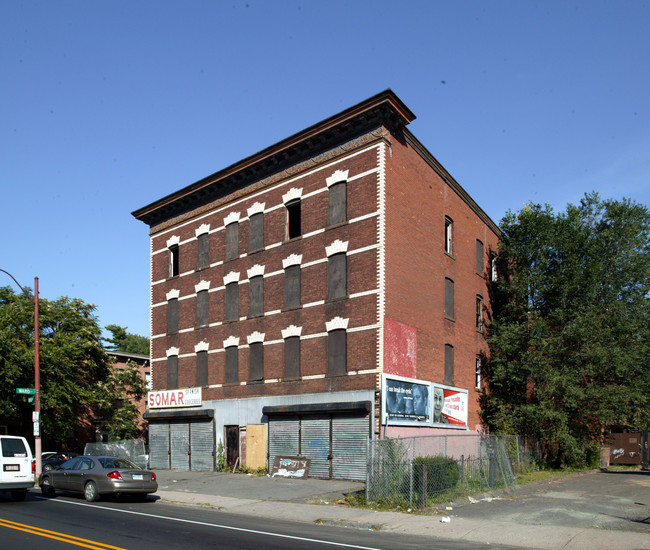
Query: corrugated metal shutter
pixel 315 444
pixel 179 433
pixel 202 444
pixel 284 437
pixel 350 446
pixel 159 445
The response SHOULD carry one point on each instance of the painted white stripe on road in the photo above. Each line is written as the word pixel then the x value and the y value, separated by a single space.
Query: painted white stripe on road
pixel 216 525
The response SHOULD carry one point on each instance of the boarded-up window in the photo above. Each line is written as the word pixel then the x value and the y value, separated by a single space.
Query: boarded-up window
pixel 232 241
pixel 202 311
pixel 256 295
pixel 256 366
pixel 202 368
pixel 337 352
pixel 294 228
pixel 292 357
pixel 232 365
pixel 337 269
pixel 174 261
pixel 172 316
pixel 338 203
pixel 232 301
pixel 292 286
pixel 479 257
pixel 449 365
pixel 449 298
pixel 172 372
pixel 203 251
pixel 257 231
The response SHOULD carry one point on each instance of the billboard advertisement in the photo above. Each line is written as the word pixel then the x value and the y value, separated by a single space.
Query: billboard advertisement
pixel 411 402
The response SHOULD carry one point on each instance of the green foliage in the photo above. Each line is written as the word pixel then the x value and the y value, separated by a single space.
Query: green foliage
pixel 570 329
pixel 442 472
pixel 125 341
pixel 221 457
pixel 76 376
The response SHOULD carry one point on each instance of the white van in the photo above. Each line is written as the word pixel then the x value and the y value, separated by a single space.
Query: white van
pixel 16 466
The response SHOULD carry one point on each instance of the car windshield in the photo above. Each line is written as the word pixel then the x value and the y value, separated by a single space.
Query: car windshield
pixel 118 463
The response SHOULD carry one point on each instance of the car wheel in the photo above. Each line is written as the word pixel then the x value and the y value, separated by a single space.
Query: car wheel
pixel 47 467
pixel 90 492
pixel 46 489
pixel 19 494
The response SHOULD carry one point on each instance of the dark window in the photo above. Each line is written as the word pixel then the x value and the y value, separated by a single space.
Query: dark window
pixel 202 312
pixel 256 357
pixel 479 257
pixel 173 261
pixel 172 372
pixel 293 219
pixel 232 241
pixel 292 357
pixel 449 298
pixel 257 231
pixel 479 313
pixel 256 295
pixel 232 365
pixel 172 315
pixel 232 301
pixel 202 368
pixel 203 253
pixel 338 203
pixel 448 239
pixel 337 270
pixel 449 365
pixel 478 371
pixel 337 352
pixel 292 286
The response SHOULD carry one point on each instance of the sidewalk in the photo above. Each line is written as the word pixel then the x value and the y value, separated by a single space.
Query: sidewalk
pixel 593 510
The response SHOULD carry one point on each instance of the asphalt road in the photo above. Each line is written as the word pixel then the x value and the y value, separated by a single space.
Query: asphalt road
pixel 67 521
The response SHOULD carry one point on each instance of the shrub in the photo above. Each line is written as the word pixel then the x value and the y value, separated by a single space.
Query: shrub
pixel 441 473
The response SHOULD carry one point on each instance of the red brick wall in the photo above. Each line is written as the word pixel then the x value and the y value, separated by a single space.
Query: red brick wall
pixel 361 312
pixel 418 200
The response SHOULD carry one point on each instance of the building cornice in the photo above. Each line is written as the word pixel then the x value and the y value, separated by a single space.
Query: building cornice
pixel 384 109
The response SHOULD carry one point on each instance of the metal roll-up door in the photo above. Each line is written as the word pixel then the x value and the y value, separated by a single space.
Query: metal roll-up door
pixel 350 435
pixel 315 444
pixel 202 445
pixel 159 445
pixel 179 435
pixel 284 437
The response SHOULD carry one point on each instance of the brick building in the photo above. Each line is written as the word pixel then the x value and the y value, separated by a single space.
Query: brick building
pixel 327 289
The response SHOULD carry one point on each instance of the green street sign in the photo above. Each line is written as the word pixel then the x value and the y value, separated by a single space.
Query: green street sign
pixel 26 391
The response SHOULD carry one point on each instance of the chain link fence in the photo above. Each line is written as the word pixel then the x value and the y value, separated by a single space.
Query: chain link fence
pixel 425 471
pixel 132 449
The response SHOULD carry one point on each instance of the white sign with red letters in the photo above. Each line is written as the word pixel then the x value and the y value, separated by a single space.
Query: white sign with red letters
pixel 165 399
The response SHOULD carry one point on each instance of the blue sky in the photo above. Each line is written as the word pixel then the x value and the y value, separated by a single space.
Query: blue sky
pixel 108 106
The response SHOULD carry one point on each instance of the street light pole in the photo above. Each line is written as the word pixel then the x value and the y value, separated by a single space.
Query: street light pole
pixel 37 375
pixel 37 384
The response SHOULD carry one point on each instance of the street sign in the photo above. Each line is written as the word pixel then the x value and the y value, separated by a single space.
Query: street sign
pixel 25 391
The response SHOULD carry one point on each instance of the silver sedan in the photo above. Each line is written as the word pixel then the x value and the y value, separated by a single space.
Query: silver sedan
pixel 95 476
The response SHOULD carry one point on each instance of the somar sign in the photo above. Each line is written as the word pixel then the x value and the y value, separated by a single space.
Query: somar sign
pixel 185 397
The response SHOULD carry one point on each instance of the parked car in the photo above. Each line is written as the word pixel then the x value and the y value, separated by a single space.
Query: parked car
pixel 16 466
pixel 51 460
pixel 97 476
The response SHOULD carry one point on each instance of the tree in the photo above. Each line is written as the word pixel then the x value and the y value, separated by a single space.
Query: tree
pixel 125 341
pixel 570 331
pixel 76 377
